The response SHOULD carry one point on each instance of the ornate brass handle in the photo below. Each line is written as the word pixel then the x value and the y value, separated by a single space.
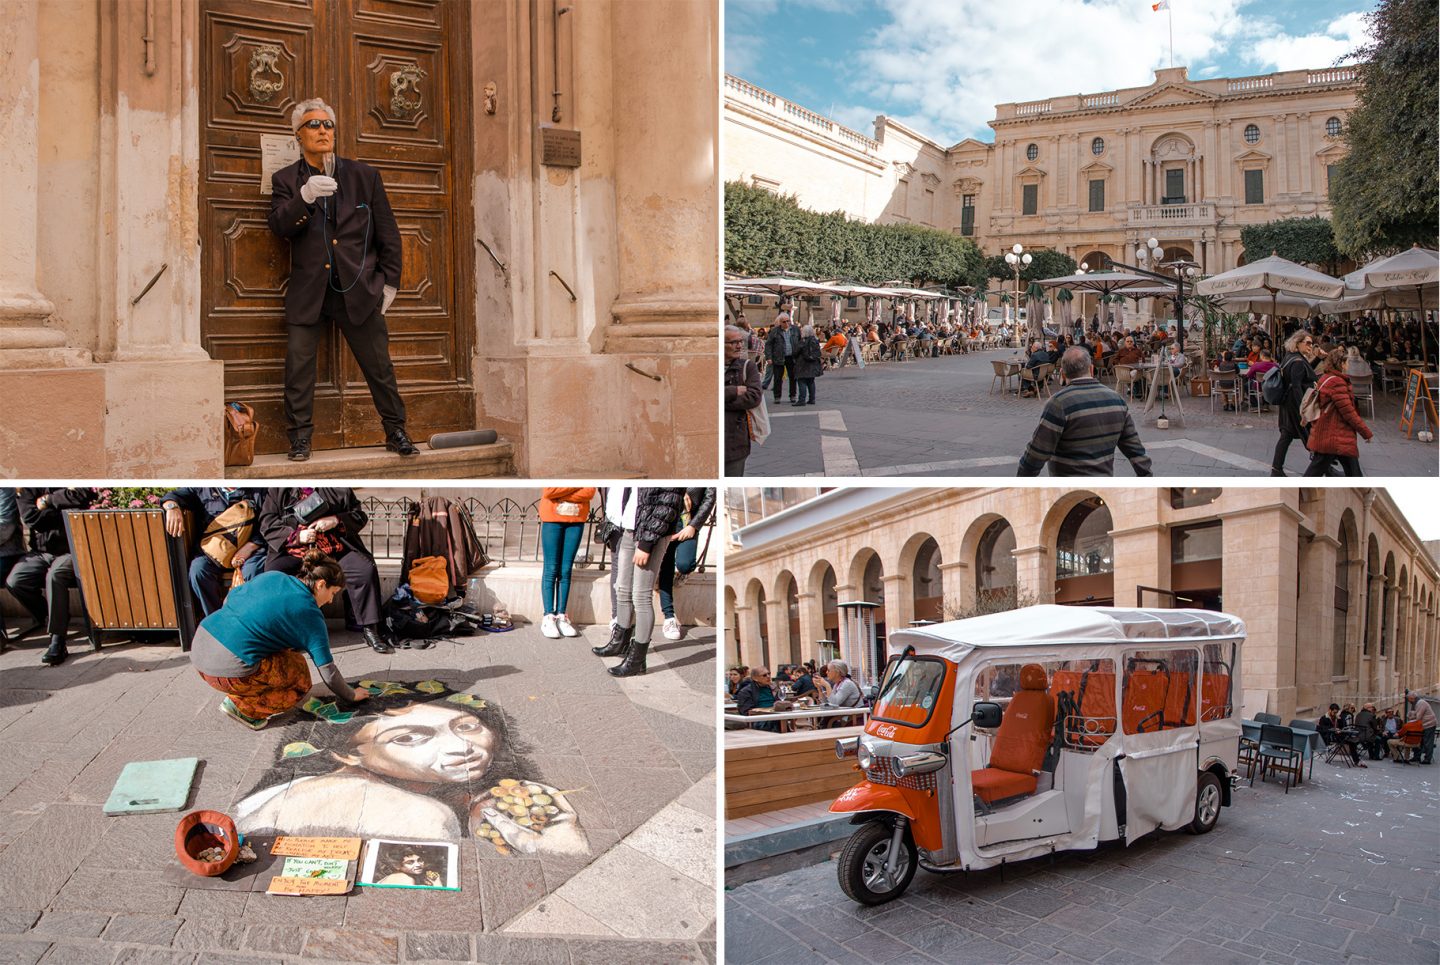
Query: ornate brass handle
pixel 265 60
pixel 405 94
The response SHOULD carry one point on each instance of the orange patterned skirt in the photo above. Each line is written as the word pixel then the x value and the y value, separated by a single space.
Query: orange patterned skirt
pixel 280 681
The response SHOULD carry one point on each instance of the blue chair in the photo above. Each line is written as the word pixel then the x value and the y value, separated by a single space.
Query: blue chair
pixel 1264 718
pixel 1277 752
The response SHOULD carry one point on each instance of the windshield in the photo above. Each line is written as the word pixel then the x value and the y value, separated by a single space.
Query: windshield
pixel 911 690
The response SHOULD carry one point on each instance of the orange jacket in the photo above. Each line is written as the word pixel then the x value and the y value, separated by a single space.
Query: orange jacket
pixel 552 496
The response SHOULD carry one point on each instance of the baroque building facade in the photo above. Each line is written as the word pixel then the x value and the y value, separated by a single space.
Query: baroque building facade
pixel 1337 592
pixel 1188 162
pixel 553 172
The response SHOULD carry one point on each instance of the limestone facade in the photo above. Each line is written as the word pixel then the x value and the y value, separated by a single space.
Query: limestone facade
pixel 1170 160
pixel 1337 592
pixel 602 372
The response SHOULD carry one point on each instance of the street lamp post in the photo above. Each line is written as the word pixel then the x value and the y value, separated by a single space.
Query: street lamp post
pixel 1017 258
pixel 1182 270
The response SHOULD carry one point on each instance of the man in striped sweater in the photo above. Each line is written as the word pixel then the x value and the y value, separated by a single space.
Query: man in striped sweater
pixel 1081 426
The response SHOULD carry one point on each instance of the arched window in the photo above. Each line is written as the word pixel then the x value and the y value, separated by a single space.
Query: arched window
pixel 1097 146
pixel 1084 556
pixel 1332 127
pixel 995 560
pixel 1252 134
pixel 1342 605
pixel 1032 152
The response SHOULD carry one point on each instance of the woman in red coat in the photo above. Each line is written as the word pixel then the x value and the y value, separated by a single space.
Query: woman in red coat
pixel 1332 435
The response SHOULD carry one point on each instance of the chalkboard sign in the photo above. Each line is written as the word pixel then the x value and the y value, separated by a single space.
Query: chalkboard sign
pixel 1417 393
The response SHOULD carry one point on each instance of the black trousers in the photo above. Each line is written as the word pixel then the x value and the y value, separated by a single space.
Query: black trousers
pixel 370 344
pixel 362 582
pixel 1321 464
pixel 42 583
pixel 780 370
pixel 1282 446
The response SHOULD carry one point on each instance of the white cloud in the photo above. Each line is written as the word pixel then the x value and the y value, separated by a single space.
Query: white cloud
pixel 944 66
pixel 1340 40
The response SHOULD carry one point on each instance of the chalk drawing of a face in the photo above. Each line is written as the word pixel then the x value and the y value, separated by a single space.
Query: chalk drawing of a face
pixel 416 761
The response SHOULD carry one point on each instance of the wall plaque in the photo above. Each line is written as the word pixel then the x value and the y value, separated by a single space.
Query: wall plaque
pixel 559 147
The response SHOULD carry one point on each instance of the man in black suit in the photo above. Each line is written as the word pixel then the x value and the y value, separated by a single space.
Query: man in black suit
pixel 42 580
pixel 344 269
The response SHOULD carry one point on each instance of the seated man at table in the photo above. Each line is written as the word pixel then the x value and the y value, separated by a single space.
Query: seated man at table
pixel 758 695
pixel 1333 731
pixel 1129 353
pixel 1038 356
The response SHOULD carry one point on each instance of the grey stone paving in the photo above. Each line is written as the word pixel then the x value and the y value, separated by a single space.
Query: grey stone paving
pixel 78 886
pixel 1341 869
pixel 936 417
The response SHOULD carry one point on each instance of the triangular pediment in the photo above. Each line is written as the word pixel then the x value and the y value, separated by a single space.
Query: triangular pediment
pixel 1097 169
pixel 1332 153
pixel 1252 155
pixel 1167 94
pixel 1030 171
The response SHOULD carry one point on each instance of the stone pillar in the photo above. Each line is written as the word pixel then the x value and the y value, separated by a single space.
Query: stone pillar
pixel 1033 573
pixel 1374 587
pixel 26 339
pixel 899 602
pixel 959 585
pixel 1315 620
pixel 1260 566
pixel 749 618
pixel 812 625
pixel 732 637
pixel 777 626
pixel 1355 626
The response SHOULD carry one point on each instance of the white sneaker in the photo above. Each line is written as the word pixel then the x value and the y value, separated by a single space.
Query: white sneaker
pixel 548 627
pixel 563 623
pixel 672 629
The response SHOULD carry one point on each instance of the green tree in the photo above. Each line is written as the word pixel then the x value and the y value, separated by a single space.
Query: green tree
pixel 1310 241
pixel 1384 193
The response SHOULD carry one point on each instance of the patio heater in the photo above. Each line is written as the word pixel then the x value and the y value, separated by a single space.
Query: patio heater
pixel 827 651
pixel 858 644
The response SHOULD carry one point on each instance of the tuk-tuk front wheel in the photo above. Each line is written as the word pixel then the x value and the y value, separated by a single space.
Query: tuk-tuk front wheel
pixel 1208 799
pixel 862 870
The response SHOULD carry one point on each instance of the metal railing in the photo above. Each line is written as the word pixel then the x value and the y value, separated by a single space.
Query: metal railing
pixel 509 531
pixel 1200 211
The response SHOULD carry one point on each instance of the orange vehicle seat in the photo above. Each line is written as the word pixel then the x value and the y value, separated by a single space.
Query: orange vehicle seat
pixel 1180 700
pixel 1094 691
pixel 1020 743
pixel 1144 701
pixel 1214 696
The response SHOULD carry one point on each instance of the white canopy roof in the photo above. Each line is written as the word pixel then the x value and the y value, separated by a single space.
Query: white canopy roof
pixel 1052 625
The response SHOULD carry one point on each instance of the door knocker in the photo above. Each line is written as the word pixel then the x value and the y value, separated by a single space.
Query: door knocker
pixel 405 90
pixel 265 61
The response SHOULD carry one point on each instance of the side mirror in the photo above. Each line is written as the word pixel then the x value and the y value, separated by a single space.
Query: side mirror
pixel 986 714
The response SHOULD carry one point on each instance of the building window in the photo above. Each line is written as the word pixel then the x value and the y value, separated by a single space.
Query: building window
pixel 1197 543
pixel 1097 146
pixel 1174 187
pixel 967 215
pixel 929 206
pixel 1254 187
pixel 1252 134
pixel 1185 497
pixel 1332 127
pixel 1032 152
pixel 1097 195
pixel 1084 547
pixel 1029 195
pixel 1329 176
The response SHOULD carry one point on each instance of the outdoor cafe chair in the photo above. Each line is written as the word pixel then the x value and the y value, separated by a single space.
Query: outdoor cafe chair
pixel 1277 752
pixel 1037 378
pixel 1339 750
pixel 1255 395
pixel 1227 389
pixel 1265 718
pixel 1125 380
pixel 1363 386
pixel 1002 375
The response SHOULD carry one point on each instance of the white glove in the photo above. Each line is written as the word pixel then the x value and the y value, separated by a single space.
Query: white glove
pixel 319 186
pixel 390 292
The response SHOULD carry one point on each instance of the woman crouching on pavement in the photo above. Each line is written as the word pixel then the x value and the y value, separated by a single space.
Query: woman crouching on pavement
pixel 253 648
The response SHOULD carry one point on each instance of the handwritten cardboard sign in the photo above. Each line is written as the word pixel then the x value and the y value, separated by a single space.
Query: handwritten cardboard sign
pixel 281 885
pixel 345 849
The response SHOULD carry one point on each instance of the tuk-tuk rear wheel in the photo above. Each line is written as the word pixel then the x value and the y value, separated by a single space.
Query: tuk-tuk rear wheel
pixel 1208 798
pixel 862 863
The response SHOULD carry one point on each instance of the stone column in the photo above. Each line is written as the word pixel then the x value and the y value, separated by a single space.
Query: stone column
pixel 959 585
pixel 732 637
pixel 1375 583
pixel 26 339
pixel 1315 620
pixel 777 625
pixel 665 74
pixel 1033 573
pixel 812 625
pixel 899 602
pixel 749 618
pixel 1260 565
pixel 1355 625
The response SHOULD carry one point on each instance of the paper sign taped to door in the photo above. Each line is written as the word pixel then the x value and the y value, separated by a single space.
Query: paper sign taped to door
pixel 276 151
pixel 345 849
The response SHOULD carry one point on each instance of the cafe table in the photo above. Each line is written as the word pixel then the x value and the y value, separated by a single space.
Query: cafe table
pixel 1307 742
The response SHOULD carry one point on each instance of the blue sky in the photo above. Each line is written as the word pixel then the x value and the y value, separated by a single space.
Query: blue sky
pixel 940 66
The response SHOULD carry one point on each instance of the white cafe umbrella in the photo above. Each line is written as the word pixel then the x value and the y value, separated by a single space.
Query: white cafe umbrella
pixel 1269 278
pixel 1408 280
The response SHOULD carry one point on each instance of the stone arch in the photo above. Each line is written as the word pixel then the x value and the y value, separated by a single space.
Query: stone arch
pixel 1172 145
pixel 1087 573
pixel 1387 609
pixel 985 544
pixel 785 626
pixel 1095 259
pixel 732 636
pixel 757 629
pixel 920 560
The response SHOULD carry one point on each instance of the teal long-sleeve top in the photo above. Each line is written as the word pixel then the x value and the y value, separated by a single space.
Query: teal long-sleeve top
pixel 268 614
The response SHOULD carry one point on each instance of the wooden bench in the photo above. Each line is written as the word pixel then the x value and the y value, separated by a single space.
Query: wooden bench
pixel 768 772
pixel 132 574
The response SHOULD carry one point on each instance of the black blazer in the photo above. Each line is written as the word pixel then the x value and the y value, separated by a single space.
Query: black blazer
pixel 278 524
pixel 360 197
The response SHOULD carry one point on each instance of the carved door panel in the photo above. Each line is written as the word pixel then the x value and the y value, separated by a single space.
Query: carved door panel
pixel 397 74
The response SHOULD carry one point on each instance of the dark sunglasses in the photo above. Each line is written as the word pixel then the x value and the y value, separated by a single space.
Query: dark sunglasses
pixel 317 123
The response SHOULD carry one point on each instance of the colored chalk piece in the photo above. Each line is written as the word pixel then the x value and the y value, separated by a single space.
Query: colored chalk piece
pixel 148 786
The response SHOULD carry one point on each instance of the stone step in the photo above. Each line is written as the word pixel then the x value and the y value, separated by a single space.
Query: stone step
pixel 376 462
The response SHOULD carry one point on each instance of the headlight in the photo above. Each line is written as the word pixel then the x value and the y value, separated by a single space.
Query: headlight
pixel 922 763
pixel 866 756
pixel 846 747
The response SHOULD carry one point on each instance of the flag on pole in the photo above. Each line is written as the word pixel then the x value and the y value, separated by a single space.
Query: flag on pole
pixel 1162 5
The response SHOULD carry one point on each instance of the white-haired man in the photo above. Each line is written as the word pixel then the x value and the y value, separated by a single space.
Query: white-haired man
pixel 782 345
pixel 345 260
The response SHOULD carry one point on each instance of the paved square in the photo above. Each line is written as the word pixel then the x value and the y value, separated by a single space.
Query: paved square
pixel 1345 868
pixel 937 417
pixel 636 757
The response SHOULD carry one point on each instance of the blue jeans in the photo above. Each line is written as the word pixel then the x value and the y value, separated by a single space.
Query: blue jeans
pixel 559 542
pixel 678 556
pixel 208 580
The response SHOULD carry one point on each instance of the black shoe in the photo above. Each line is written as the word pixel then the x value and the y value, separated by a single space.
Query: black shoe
pixel 797 404
pixel 299 450
pixel 634 663
pixel 398 441
pixel 619 640
pixel 57 653
pixel 373 640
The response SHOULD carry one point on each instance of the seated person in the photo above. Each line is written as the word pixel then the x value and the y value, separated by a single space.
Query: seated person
pixel 1401 750
pixel 43 578
pixel 1258 369
pixel 759 694
pixel 1038 356
pixel 1129 353
pixel 332 524
pixel 805 682
pixel 844 692
pixel 208 578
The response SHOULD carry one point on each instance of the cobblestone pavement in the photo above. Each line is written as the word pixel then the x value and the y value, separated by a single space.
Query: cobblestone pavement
pixel 1341 869
pixel 937 417
pixel 639 756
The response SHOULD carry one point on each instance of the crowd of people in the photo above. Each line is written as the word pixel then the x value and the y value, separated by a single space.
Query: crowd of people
pixel 754 690
pixel 263 562
pixel 1404 733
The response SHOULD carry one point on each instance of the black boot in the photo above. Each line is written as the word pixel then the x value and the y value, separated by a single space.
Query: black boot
pixel 373 639
pixel 299 449
pixel 619 640
pixel 57 652
pixel 399 441
pixel 634 663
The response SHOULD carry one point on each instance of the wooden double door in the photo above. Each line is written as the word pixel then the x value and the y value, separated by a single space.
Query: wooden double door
pixel 397 73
